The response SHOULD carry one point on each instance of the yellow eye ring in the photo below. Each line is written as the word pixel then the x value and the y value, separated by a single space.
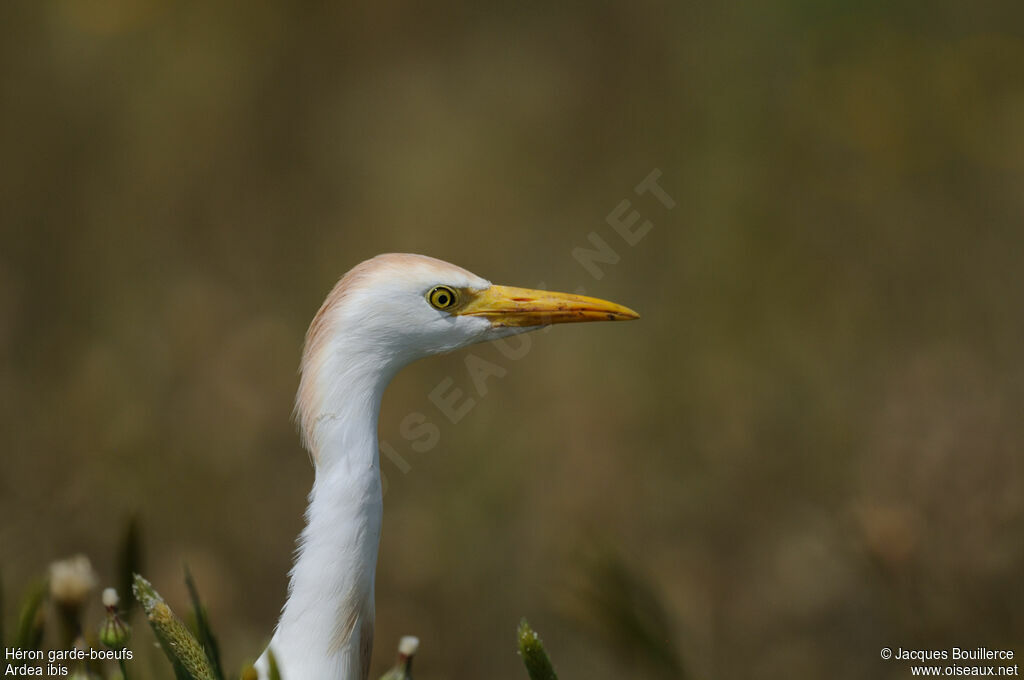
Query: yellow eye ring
pixel 442 297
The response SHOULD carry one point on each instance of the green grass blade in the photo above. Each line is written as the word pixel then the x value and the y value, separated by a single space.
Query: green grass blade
pixel 273 672
pixel 182 649
pixel 203 629
pixel 129 563
pixel 630 613
pixel 32 618
pixel 536 660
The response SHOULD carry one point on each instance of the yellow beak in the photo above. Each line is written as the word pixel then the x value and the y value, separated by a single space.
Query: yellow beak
pixel 507 306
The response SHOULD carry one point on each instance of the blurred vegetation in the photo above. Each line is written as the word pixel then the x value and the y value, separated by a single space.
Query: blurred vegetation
pixel 201 624
pixel 535 657
pixel 629 616
pixel 808 447
pixel 183 650
pixel 191 649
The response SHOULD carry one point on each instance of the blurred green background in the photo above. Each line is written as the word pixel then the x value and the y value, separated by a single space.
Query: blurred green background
pixel 807 449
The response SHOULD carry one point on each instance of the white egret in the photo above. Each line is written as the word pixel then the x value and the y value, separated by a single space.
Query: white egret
pixel 383 314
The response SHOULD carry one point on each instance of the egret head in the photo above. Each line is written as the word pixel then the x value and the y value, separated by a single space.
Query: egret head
pixel 393 309
pixel 383 314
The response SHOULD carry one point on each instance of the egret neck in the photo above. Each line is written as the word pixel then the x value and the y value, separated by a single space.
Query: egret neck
pixel 326 626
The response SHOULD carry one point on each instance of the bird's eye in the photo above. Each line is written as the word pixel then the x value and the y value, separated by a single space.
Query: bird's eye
pixel 441 297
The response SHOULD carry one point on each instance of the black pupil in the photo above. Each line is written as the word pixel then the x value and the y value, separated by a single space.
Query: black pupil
pixel 442 299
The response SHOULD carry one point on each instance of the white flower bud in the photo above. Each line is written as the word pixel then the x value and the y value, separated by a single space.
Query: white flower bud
pixel 72 580
pixel 110 598
pixel 408 645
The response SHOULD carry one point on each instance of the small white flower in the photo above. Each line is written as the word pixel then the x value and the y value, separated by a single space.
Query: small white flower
pixel 72 580
pixel 408 645
pixel 110 598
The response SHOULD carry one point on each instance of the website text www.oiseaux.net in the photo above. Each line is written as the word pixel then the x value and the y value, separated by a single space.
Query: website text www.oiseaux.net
pixel 955 662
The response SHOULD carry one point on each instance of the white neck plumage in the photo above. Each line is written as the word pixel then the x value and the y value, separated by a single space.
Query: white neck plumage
pixel 326 626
